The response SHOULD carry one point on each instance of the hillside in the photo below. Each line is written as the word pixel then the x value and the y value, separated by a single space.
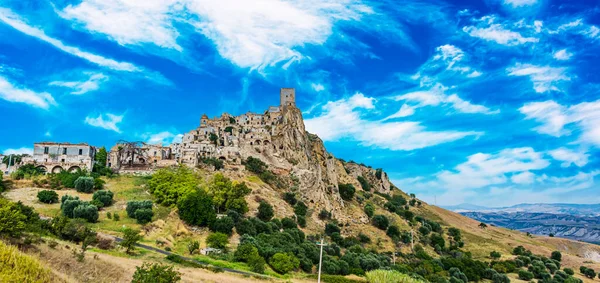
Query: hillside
pixel 264 216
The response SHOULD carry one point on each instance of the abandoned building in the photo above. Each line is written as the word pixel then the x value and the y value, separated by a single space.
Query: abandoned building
pixel 139 157
pixel 54 157
pixel 227 137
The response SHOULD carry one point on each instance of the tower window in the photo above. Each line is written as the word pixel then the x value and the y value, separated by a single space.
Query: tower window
pixel 64 150
pixel 46 150
pixel 80 151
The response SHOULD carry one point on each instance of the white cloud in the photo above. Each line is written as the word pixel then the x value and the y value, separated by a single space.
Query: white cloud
pixel 22 150
pixel 163 138
pixel 562 55
pixel 317 87
pixel 106 121
pixel 538 26
pixel 523 178
pixel 437 96
pixel 490 31
pixel 554 117
pixel 13 20
pixel 569 157
pixel 544 78
pixel 250 34
pixel 482 169
pixel 12 93
pixel 520 3
pixel 342 119
pixel 450 58
pixel 80 87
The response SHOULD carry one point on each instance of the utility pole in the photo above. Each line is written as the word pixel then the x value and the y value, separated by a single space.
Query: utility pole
pixel 412 241
pixel 320 259
pixel 9 163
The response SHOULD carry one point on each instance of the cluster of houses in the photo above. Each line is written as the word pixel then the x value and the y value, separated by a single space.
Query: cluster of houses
pixel 227 138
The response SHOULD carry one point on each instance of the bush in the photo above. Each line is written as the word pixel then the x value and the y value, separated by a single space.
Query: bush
pixel 257 264
pixel 290 198
pixel 590 273
pixel 12 220
pixel 556 255
pixel 495 255
pixel 244 227
pixel 364 238
pixel 215 162
pixel 223 225
pixel 569 271
pixel 47 196
pixel 283 263
pixel 168 185
pixel 130 239
pixel 245 252
pixel 346 191
pixel 393 232
pixel 525 275
pixel 265 211
pixel 69 204
pixel 500 278
pixel 116 216
pixel 197 208
pixel 143 215
pixel 97 203
pixel 104 196
pixel 88 212
pixel 301 221
pixel 133 206
pixel 364 183
pixel 331 228
pixel 84 184
pixel 193 246
pixel 217 240
pixel 300 209
pixel 16 266
pixel 324 214
pixel 369 210
pixel 288 223
pixel 384 276
pixel 155 273
pixel 380 221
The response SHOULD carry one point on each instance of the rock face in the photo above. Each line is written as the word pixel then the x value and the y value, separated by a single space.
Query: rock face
pixel 318 171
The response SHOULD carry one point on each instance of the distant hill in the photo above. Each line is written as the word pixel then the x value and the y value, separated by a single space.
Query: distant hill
pixel 585 210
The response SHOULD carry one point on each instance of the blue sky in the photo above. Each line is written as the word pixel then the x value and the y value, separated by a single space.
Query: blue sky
pixel 488 102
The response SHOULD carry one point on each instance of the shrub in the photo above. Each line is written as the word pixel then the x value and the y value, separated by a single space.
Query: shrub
pixel 257 264
pixel 393 232
pixel 525 275
pixel 346 191
pixel 69 204
pixel 88 212
pixel 265 211
pixel 193 246
pixel 364 183
pixel 331 228
pixel 283 263
pixel 364 238
pixel 495 255
pixel 245 252
pixel 97 203
pixel 133 206
pixel 380 221
pixel 300 209
pixel 556 255
pixel 301 221
pixel 500 278
pixel 197 208
pixel 155 272
pixel 384 276
pixel 569 271
pixel 369 210
pixel 288 223
pixel 217 240
pixel 47 196
pixel 324 214
pixel 12 220
pixel 168 185
pixel 104 196
pixel 116 216
pixel 590 273
pixel 84 184
pixel 215 162
pixel 143 215
pixel 245 226
pixel 290 198
pixel 223 225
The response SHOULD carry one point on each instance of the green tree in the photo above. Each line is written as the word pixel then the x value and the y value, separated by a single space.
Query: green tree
pixel 228 195
pixel 155 273
pixel 217 240
pixel 104 196
pixel 143 215
pixel 193 246
pixel 393 232
pixel 556 255
pixel 12 221
pixel 245 252
pixel 283 263
pixel 346 191
pixel 495 255
pixel 369 210
pixel 86 211
pixel 168 185
pixel 130 238
pixel 196 208
pixel 134 205
pixel 300 209
pixel 482 225
pixel 364 183
pixel 265 211
pixel 380 221
pixel 257 264
pixel 47 196
pixel 223 225
pixel 84 184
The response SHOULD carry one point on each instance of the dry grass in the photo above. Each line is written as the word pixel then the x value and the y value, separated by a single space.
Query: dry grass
pixel 18 267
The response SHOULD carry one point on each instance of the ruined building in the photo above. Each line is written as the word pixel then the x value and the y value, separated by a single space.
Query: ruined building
pixel 137 157
pixel 55 157
pixel 232 138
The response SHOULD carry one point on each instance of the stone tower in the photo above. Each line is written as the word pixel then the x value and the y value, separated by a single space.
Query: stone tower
pixel 203 120
pixel 287 97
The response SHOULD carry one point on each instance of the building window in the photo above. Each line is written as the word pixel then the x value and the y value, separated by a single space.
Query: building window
pixel 46 150
pixel 80 151
pixel 64 150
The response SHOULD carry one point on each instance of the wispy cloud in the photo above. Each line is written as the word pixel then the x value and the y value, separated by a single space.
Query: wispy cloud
pixel 92 83
pixel 562 55
pixel 13 20
pixel 106 121
pixel 164 137
pixel 12 93
pixel 488 29
pixel 437 96
pixel 544 78
pixel 520 3
pixel 569 157
pixel 554 117
pixel 317 87
pixel 342 119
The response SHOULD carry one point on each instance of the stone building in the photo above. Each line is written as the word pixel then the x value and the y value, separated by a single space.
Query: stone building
pixel 230 138
pixel 55 157
pixel 139 157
